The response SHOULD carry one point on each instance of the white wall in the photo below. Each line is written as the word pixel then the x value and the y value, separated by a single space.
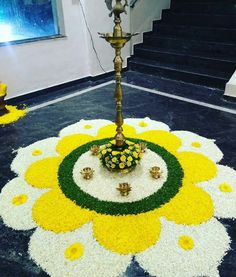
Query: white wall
pixel 230 89
pixel 32 66
pixel 37 65
pixel 143 15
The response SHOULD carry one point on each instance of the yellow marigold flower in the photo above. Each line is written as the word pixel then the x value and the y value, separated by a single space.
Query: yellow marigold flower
pixel 108 145
pixel 103 147
pixel 37 152
pixel 3 89
pixel 130 159
pixel 196 144
pixel 186 242
pixel 107 159
pixel 224 187
pixel 135 154
pixel 113 165
pixel 131 148
pixel 113 142
pixel 129 163
pixel 19 199
pixel 129 142
pixel 109 150
pixel 123 158
pixel 127 151
pixel 99 156
pixel 104 152
pixel 114 160
pixel 74 252
pixel 142 124
pixel 121 165
pixel 140 155
pixel 114 153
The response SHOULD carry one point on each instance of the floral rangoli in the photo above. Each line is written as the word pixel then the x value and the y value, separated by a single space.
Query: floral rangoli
pixel 86 228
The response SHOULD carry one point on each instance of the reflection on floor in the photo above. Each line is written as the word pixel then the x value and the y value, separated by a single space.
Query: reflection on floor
pixel 98 103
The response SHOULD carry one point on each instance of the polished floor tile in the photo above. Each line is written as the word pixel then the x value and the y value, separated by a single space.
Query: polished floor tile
pixel 99 103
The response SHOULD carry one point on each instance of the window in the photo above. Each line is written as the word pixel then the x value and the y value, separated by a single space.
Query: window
pixel 22 20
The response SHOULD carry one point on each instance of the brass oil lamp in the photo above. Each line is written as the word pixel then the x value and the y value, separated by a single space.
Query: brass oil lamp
pixel 124 189
pixel 117 40
pixel 87 173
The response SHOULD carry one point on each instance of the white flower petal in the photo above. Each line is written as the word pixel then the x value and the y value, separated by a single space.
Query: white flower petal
pixel 47 250
pixel 224 202
pixel 25 157
pixel 18 217
pixel 168 259
pixel 208 146
pixel 151 124
pixel 88 127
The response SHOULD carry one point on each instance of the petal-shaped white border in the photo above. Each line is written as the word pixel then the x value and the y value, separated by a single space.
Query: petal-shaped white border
pixel 24 157
pixel 168 259
pixel 151 124
pixel 18 217
pixel 47 250
pixel 224 202
pixel 79 127
pixel 208 146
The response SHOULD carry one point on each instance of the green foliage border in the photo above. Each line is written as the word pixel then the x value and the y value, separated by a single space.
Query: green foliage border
pixel 169 189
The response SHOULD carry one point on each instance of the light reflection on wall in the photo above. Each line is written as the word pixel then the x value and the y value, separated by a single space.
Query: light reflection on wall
pixel 27 19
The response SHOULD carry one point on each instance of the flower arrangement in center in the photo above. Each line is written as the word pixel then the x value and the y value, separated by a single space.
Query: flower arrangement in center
pixel 123 159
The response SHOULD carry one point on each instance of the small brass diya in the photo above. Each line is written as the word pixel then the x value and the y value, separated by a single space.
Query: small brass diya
pixel 95 150
pixel 87 173
pixel 155 172
pixel 143 146
pixel 124 189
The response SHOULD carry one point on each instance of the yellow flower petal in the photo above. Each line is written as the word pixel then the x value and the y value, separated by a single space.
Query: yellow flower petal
pixel 225 187
pixel 186 242
pixel 197 168
pixel 19 199
pixel 54 212
pixel 192 205
pixel 43 173
pixel 74 252
pixel 127 234
pixel 163 138
pixel 70 143
pixel 110 131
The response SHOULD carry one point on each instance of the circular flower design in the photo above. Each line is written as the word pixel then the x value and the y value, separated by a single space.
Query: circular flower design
pixel 83 222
